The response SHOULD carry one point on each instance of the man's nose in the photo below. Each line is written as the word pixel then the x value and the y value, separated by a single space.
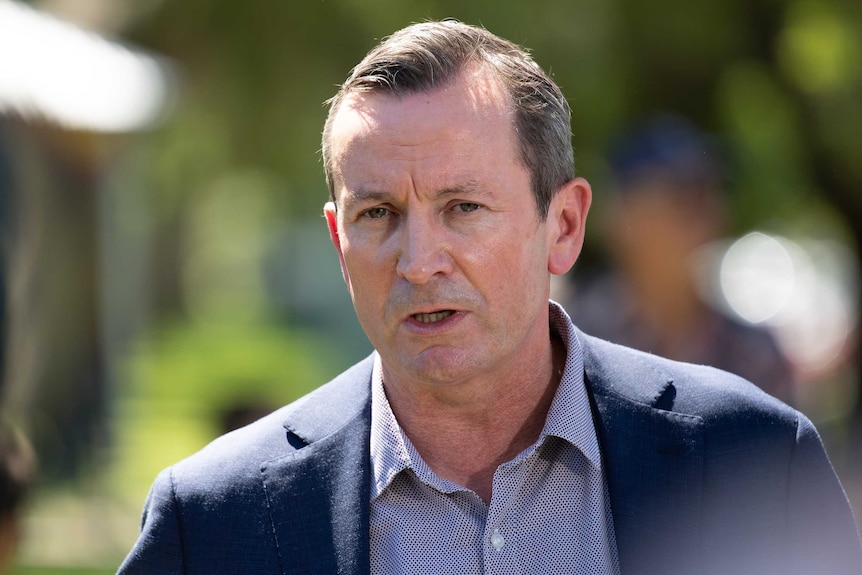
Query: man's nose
pixel 423 251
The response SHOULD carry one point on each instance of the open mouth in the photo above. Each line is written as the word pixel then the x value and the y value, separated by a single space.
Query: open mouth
pixel 432 317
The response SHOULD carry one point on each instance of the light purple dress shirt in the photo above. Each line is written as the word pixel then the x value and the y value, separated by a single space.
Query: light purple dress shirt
pixel 549 510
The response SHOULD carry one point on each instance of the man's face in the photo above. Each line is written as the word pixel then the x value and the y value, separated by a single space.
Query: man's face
pixel 440 242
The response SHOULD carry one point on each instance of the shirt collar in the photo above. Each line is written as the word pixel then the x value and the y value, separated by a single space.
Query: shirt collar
pixel 569 417
pixel 389 454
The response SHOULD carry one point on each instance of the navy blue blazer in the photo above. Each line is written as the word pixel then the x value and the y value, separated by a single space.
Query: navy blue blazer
pixel 706 474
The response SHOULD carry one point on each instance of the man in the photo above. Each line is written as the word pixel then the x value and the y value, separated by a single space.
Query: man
pixel 486 434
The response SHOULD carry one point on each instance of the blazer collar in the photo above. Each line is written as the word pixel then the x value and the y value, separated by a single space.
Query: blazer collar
pixel 332 406
pixel 318 495
pixel 653 459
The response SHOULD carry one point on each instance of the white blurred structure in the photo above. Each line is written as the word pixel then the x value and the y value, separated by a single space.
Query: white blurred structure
pixel 804 290
pixel 53 70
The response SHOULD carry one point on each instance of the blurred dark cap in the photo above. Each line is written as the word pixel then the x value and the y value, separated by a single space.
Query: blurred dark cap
pixel 669 147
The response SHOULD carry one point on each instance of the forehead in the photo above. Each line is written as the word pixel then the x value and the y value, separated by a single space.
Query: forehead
pixel 472 110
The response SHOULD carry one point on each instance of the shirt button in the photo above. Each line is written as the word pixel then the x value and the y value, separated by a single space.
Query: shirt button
pixel 497 540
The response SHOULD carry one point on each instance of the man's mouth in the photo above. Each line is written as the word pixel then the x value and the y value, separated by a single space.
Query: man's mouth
pixel 433 317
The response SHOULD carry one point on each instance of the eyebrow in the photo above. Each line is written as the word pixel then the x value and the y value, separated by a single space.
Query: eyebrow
pixel 469 187
pixel 370 195
pixel 361 196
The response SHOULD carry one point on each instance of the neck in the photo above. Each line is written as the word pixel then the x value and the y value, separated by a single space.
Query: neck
pixel 466 432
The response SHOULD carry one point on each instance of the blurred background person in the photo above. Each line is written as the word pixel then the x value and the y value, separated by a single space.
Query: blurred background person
pixel 17 470
pixel 668 200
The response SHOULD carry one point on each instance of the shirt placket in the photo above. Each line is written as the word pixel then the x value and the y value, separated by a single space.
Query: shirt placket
pixel 501 545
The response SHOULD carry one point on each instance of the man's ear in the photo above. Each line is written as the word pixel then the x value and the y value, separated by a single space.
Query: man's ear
pixel 566 224
pixel 331 215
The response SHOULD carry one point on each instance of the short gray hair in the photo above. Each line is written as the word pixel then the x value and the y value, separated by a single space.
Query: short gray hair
pixel 424 56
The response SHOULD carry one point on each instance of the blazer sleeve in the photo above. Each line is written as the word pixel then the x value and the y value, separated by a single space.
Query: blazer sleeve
pixel 821 527
pixel 158 550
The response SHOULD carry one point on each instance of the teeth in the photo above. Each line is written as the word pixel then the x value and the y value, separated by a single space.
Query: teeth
pixel 433 317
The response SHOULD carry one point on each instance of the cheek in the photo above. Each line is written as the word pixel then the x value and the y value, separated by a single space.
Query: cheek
pixel 367 274
pixel 508 267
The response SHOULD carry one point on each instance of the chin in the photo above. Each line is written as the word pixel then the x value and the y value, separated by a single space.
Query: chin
pixel 441 366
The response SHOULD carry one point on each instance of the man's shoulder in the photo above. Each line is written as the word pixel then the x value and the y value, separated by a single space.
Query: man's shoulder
pixel 239 455
pixel 699 391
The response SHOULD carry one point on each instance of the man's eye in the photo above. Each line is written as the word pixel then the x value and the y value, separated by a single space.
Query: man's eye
pixel 376 213
pixel 467 207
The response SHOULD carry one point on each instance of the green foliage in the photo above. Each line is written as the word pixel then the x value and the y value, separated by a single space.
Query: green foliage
pixel 819 49
pixel 772 173
pixel 184 380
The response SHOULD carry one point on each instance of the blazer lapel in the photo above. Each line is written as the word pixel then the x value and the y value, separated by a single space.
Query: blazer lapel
pixel 653 460
pixel 318 496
